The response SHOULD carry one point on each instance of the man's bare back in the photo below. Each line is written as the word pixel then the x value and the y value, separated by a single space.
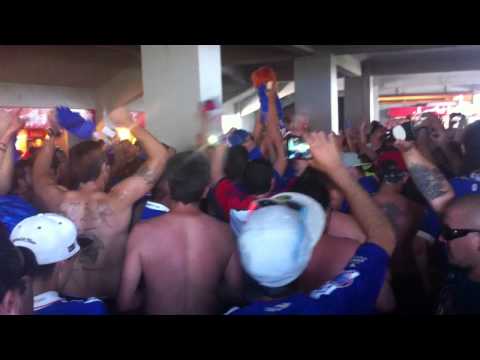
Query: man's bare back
pixel 102 218
pixel 98 269
pixel 184 257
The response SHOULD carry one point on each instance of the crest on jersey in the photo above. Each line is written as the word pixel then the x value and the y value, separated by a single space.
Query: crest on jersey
pixel 343 280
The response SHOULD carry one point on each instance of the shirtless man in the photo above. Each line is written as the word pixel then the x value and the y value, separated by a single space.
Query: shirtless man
pixel 184 257
pixel 100 217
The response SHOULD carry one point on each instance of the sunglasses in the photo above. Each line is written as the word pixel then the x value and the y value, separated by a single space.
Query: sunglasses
pixel 450 234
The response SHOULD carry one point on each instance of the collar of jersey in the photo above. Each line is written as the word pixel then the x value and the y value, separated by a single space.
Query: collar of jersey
pixel 45 299
pixel 156 206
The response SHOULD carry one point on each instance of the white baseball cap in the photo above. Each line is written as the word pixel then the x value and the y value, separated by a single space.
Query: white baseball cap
pixel 52 238
pixel 277 239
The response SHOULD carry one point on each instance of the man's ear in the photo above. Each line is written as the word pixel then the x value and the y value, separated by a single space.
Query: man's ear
pixel 11 303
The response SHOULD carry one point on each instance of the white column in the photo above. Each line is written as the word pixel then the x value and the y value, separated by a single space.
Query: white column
pixel 316 91
pixel 176 78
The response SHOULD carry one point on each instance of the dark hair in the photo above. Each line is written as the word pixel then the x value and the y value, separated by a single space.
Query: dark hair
pixel 31 266
pixel 11 266
pixel 236 162
pixel 313 183
pixel 187 174
pixel 471 161
pixel 258 176
pixel 374 126
pixel 85 162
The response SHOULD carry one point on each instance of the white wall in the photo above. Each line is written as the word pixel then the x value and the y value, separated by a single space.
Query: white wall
pixel 175 82
pixel 25 95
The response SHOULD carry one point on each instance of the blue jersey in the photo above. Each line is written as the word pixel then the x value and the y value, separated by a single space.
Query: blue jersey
pixel 460 295
pixel 153 209
pixel 50 303
pixel 13 209
pixel 255 154
pixel 353 292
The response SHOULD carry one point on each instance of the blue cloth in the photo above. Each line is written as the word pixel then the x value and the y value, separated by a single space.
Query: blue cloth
pixel 353 292
pixel 463 186
pixel 52 304
pixel 460 295
pixel 13 209
pixel 369 183
pixel 255 154
pixel 431 224
pixel 238 137
pixel 153 209
pixel 75 123
pixel 262 95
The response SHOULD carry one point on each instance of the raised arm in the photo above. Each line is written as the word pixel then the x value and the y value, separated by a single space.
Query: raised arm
pixel 273 131
pixel 216 168
pixel 45 185
pixel 429 180
pixel 257 130
pixel 327 158
pixel 128 191
pixel 363 143
pixel 9 126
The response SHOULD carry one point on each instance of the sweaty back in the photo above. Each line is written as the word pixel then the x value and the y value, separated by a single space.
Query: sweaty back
pixel 184 257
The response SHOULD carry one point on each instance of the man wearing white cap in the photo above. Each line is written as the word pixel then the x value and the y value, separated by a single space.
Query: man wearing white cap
pixel 49 243
pixel 277 240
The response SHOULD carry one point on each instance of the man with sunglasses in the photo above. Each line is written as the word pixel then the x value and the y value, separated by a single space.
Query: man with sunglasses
pixel 278 237
pixel 459 233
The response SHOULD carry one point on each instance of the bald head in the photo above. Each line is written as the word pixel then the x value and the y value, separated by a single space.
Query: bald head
pixel 466 209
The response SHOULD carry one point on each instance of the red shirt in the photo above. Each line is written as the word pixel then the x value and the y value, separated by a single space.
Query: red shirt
pixel 228 196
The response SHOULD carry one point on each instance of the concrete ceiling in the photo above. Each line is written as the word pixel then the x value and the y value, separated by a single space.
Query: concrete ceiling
pixel 92 66
pixel 73 66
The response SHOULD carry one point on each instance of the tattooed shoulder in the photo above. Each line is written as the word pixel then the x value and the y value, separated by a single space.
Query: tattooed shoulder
pixel 148 174
pixel 90 252
pixel 430 181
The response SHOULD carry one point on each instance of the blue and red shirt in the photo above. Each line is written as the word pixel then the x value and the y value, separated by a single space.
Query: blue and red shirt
pixel 228 195
pixel 353 292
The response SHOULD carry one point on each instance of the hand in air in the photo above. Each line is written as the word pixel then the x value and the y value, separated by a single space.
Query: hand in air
pixel 404 146
pixel 271 89
pixel 10 123
pixel 325 152
pixel 120 117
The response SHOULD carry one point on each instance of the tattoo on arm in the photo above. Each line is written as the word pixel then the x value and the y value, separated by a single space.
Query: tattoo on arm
pixel 430 181
pixel 147 174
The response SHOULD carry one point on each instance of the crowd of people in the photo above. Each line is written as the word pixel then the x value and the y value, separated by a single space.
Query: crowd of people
pixel 366 224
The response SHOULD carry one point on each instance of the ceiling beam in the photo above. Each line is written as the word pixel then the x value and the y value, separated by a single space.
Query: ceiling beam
pixel 447 61
pixel 297 49
pixel 347 65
